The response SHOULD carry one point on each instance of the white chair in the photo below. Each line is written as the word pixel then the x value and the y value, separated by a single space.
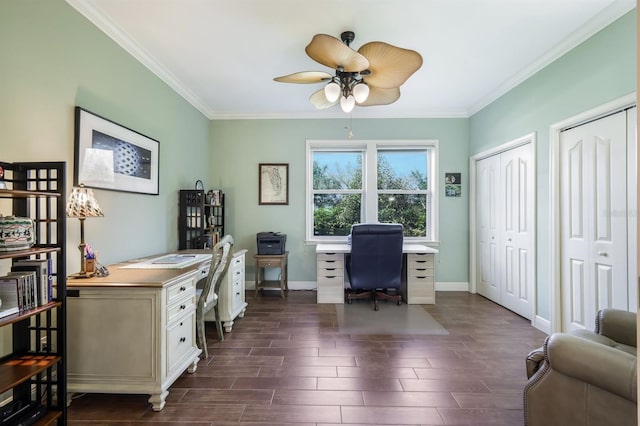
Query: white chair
pixel 207 295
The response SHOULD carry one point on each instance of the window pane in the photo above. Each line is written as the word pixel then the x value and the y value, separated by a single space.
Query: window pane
pixel 333 214
pixel 337 170
pixel 402 169
pixel 408 209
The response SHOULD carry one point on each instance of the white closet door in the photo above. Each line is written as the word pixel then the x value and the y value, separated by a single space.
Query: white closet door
pixel 488 231
pixel 593 220
pixel 516 192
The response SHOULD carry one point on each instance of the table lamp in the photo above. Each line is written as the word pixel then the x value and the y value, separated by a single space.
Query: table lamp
pixel 82 204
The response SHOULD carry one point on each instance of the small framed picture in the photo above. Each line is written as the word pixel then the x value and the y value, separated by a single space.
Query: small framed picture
pixel 452 185
pixel 273 184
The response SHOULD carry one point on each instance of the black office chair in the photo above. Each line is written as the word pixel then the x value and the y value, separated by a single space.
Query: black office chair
pixel 375 262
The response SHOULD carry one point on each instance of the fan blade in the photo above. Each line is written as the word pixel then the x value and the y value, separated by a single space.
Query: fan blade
pixel 390 66
pixel 380 96
pixel 331 52
pixel 319 100
pixel 305 77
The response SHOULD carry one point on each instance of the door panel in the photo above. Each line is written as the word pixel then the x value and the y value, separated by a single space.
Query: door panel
pixel 593 219
pixel 516 236
pixel 487 173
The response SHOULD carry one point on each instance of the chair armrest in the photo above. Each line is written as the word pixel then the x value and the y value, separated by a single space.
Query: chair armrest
pixel 617 325
pixel 599 365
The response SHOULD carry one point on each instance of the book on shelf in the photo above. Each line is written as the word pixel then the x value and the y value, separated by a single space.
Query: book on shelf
pixel 41 269
pixel 19 286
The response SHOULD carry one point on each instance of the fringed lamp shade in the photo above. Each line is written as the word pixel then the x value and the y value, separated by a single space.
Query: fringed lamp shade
pixel 82 203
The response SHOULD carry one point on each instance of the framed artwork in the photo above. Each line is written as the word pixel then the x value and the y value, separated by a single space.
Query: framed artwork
pixel 110 156
pixel 273 183
pixel 452 184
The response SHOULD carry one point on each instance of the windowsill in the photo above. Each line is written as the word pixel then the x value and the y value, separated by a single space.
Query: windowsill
pixel 344 241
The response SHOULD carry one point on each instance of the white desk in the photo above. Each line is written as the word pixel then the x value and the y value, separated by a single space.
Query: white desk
pixel 418 278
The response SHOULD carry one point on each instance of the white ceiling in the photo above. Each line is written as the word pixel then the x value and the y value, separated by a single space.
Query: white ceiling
pixel 222 55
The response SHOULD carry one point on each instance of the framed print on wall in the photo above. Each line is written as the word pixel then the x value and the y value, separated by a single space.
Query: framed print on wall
pixel 110 156
pixel 273 183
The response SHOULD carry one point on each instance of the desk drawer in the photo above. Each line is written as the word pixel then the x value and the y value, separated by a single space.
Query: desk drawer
pixel 179 340
pixel 330 290
pixel 330 271
pixel 180 309
pixel 420 272
pixel 419 260
pixel 237 264
pixel 181 290
pixel 330 264
pixel 269 263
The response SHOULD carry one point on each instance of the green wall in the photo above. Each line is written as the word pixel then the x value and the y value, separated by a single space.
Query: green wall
pixel 52 59
pixel 600 70
pixel 239 145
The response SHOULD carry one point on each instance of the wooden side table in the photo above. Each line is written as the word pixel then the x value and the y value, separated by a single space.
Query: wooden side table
pixel 264 261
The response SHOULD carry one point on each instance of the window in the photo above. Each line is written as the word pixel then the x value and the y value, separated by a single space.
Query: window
pixel 371 181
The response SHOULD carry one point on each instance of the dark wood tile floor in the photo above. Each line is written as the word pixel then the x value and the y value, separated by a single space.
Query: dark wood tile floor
pixel 285 363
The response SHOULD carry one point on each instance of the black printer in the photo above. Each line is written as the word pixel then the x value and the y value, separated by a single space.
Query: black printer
pixel 271 243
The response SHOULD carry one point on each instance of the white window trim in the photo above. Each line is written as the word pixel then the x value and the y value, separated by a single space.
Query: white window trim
pixel 370 147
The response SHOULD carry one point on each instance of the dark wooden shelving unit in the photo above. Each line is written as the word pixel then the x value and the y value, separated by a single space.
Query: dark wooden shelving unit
pixel 200 223
pixel 34 372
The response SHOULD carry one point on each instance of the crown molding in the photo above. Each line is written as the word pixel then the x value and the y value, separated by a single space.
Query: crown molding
pixel 608 15
pixel 124 40
pixel 336 114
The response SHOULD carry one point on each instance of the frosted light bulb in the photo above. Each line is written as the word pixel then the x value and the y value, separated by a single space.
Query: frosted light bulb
pixel 347 104
pixel 332 91
pixel 361 92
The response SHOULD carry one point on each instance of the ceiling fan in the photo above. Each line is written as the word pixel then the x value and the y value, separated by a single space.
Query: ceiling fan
pixel 371 76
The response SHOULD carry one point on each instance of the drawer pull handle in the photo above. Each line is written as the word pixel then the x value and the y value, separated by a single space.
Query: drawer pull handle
pixel 180 324
pixel 182 288
pixel 330 269
pixel 421 269
pixel 182 307
pixel 238 294
pixel 331 276
pixel 421 276
pixel 183 339
pixel 331 254
pixel 331 261
pixel 421 261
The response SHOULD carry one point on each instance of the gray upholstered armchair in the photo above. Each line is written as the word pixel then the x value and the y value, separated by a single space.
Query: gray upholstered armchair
pixel 585 378
pixel 375 262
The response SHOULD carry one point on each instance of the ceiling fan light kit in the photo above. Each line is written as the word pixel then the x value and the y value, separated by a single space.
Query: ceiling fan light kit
pixel 371 76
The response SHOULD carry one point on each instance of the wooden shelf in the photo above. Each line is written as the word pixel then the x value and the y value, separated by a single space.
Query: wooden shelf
pixel 28 252
pixel 13 193
pixel 10 319
pixel 15 371
pixel 48 418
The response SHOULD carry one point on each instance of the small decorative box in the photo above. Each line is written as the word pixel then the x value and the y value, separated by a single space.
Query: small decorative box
pixel 16 233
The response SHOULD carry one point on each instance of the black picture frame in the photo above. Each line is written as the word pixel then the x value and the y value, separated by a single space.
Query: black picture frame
pixel 113 157
pixel 273 184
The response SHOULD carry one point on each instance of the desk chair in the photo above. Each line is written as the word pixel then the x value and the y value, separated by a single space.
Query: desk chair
pixel 207 296
pixel 375 262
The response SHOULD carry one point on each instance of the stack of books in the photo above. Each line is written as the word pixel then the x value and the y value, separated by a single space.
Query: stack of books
pixel 27 286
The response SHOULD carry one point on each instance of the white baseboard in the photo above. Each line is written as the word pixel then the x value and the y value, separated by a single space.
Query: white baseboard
pixel 293 285
pixel 313 285
pixel 452 286
pixel 542 324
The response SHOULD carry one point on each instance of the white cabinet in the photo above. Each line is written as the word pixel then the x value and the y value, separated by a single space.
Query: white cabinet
pixel 420 279
pixel 231 302
pixel 418 275
pixel 330 278
pixel 131 332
